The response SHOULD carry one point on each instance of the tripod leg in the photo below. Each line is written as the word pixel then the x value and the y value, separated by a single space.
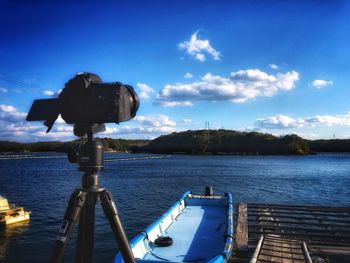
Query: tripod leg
pixel 76 202
pixel 85 242
pixel 111 213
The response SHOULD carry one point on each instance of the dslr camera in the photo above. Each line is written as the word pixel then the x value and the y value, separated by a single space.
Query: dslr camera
pixel 86 101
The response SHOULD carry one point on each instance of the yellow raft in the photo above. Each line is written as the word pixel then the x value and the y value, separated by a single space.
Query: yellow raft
pixel 11 214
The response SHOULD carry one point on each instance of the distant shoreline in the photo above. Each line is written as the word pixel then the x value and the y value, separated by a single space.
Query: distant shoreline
pixel 201 142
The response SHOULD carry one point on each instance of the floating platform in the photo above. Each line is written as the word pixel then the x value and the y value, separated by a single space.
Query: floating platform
pixel 291 233
pixel 11 214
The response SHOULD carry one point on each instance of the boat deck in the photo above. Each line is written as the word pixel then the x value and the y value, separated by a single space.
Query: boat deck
pixel 192 235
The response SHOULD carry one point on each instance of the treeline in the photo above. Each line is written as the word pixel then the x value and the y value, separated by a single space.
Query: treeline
pixel 334 145
pixel 234 142
pixel 226 142
pixel 121 145
pixel 200 142
pixel 6 146
pixel 109 144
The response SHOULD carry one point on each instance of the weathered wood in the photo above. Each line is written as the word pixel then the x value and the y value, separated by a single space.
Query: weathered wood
pixel 301 207
pixel 241 233
pixel 331 243
pixel 306 235
pixel 257 250
pixel 329 249
pixel 299 228
pixel 278 249
pixel 306 253
pixel 291 216
pixel 291 222
pixel 300 213
pixel 325 229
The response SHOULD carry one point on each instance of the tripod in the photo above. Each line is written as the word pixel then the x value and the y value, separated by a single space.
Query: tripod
pixel 81 206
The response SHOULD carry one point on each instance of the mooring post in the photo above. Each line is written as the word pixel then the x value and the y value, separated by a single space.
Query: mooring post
pixel 241 231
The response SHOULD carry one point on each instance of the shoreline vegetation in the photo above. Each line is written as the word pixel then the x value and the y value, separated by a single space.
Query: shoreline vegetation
pixel 226 142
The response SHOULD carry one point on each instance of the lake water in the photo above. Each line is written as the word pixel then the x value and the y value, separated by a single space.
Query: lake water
pixel 144 189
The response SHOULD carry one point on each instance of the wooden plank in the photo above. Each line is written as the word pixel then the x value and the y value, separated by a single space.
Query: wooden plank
pixel 332 243
pixel 306 253
pixel 329 249
pixel 278 249
pixel 291 222
pixel 257 250
pixel 286 253
pixel 308 235
pixel 302 207
pixel 285 227
pixel 300 213
pixel 310 218
pixel 241 233
pixel 318 228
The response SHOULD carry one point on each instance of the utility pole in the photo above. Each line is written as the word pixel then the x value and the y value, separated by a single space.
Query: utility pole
pixel 206 136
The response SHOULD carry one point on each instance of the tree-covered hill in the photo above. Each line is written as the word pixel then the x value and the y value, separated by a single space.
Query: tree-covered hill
pixel 108 143
pixel 334 145
pixel 226 142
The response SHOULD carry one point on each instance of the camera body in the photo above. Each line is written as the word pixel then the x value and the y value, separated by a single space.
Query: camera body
pixel 86 100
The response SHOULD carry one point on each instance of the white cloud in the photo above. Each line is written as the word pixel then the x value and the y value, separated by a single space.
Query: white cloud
pixel 329 120
pixel 144 91
pixel 286 122
pixel 48 93
pixel 155 121
pixel 187 120
pixel 279 122
pixel 197 47
pixel 174 103
pixel 9 113
pixel 3 90
pixel 188 75
pixel 200 57
pixel 239 87
pixel 146 125
pixel 273 66
pixel 320 83
pixel 13 126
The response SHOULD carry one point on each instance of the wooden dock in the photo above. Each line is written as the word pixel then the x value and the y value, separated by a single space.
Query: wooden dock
pixel 291 233
pixel 274 248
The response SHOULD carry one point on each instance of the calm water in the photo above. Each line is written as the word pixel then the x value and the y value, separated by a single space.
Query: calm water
pixel 145 189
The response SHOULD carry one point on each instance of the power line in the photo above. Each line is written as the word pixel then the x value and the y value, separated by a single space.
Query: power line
pixel 16 81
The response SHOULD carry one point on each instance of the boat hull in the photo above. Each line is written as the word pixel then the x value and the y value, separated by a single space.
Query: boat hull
pixel 17 219
pixel 201 228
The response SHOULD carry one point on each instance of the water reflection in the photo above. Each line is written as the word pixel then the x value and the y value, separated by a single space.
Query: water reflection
pixel 9 233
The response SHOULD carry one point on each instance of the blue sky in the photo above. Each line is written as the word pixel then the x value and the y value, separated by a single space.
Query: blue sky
pixel 272 66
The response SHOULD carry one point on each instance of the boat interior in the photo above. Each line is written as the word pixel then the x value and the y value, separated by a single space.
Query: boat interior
pixel 198 227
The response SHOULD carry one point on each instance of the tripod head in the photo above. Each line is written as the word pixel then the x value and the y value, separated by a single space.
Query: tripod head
pixel 89 153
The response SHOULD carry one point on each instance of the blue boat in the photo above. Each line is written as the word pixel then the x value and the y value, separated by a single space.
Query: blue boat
pixel 195 229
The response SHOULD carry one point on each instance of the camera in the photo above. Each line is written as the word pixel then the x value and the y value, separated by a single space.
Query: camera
pixel 86 101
